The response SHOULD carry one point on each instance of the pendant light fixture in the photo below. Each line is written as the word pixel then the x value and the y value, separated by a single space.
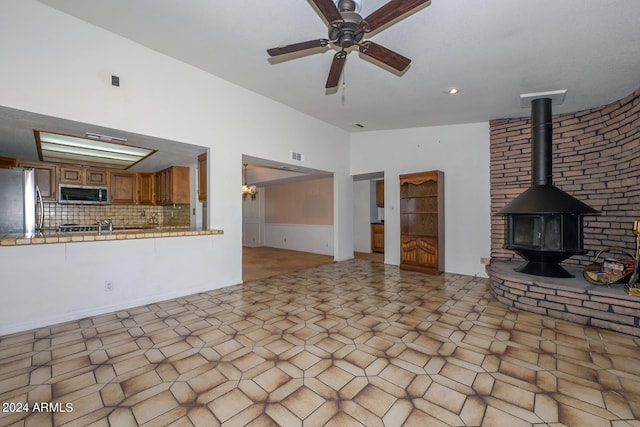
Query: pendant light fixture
pixel 246 189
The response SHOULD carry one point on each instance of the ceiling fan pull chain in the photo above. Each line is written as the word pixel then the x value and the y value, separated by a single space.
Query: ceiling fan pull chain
pixel 344 84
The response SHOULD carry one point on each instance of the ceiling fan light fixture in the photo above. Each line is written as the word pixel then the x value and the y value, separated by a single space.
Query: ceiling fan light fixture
pixel 346 28
pixel 349 5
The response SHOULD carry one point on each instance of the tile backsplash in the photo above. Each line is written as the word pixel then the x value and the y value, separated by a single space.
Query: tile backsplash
pixel 122 215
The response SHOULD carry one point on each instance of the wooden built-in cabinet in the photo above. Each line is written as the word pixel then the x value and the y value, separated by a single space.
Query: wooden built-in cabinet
pixel 422 222
pixel 122 189
pixel 145 183
pixel 46 179
pixel 172 186
pixel 169 186
pixel 202 177
pixel 83 175
pixel 7 163
pixel 377 237
pixel 380 193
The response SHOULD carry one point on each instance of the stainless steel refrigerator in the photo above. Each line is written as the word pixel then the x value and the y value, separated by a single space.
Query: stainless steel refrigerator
pixel 17 201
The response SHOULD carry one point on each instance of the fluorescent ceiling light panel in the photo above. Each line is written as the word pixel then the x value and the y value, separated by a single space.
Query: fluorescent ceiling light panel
pixel 56 147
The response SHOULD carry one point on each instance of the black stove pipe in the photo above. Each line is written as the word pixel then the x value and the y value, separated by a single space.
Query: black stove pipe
pixel 541 142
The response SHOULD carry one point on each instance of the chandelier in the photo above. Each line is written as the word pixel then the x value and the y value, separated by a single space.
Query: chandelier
pixel 246 189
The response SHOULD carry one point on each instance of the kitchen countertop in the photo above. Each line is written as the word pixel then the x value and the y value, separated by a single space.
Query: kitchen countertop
pixel 93 236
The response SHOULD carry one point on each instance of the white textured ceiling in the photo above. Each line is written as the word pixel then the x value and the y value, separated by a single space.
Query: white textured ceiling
pixel 493 50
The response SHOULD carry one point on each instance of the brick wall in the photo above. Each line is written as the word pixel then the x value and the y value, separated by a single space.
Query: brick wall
pixel 596 158
pixel 599 306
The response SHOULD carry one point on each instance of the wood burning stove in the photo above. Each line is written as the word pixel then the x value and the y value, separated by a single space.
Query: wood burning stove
pixel 544 225
pixel 544 240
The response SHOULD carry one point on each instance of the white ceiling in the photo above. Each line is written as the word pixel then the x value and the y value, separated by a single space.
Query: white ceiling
pixel 493 50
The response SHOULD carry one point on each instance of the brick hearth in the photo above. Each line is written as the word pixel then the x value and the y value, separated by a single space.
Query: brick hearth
pixel 572 299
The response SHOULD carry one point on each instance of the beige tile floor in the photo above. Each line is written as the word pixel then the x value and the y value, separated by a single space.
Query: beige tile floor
pixel 354 343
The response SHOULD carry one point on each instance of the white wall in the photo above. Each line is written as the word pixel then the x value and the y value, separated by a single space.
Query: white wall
pixel 50 283
pixel 462 153
pixel 60 66
pixel 317 239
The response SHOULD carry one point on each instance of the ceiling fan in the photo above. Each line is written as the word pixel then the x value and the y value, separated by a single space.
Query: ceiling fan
pixel 347 28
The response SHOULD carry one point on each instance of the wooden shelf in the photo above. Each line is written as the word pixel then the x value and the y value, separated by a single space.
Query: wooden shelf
pixel 422 222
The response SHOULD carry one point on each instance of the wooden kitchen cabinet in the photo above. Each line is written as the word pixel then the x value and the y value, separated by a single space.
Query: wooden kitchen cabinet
pixel 82 175
pixel 422 222
pixel 202 177
pixel 145 183
pixel 7 163
pixel 122 188
pixel 46 179
pixel 377 237
pixel 380 193
pixel 71 175
pixel 173 186
pixel 94 176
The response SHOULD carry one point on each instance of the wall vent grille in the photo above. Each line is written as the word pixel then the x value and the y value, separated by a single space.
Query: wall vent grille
pixel 297 156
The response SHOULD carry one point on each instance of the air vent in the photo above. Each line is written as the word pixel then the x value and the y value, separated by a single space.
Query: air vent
pixel 297 156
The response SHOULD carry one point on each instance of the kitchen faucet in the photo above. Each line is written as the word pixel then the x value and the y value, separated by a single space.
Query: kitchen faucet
pixel 106 222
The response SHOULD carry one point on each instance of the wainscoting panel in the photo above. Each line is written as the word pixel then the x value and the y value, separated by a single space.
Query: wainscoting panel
pixel 317 239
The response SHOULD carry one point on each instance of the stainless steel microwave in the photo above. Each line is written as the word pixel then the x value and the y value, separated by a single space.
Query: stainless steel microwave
pixel 83 194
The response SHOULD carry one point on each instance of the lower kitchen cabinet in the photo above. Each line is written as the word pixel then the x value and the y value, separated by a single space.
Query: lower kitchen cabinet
pixel 377 237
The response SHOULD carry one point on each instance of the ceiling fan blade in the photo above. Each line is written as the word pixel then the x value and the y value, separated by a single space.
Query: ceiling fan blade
pixel 336 69
pixel 296 47
pixel 390 11
pixel 384 55
pixel 329 10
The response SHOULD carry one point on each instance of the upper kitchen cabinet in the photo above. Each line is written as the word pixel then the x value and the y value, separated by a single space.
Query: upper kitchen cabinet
pixel 46 179
pixel 7 163
pixel 172 186
pixel 380 193
pixel 83 175
pixel 122 188
pixel 96 177
pixel 146 186
pixel 202 177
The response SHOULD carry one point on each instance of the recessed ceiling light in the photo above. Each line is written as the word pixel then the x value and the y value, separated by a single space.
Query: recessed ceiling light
pixel 57 147
pixel 451 90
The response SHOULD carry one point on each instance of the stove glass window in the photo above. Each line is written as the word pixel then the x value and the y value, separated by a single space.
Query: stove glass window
pixel 551 232
pixel 526 230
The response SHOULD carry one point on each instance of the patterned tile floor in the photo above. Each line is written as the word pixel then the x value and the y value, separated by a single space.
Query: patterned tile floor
pixel 354 343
